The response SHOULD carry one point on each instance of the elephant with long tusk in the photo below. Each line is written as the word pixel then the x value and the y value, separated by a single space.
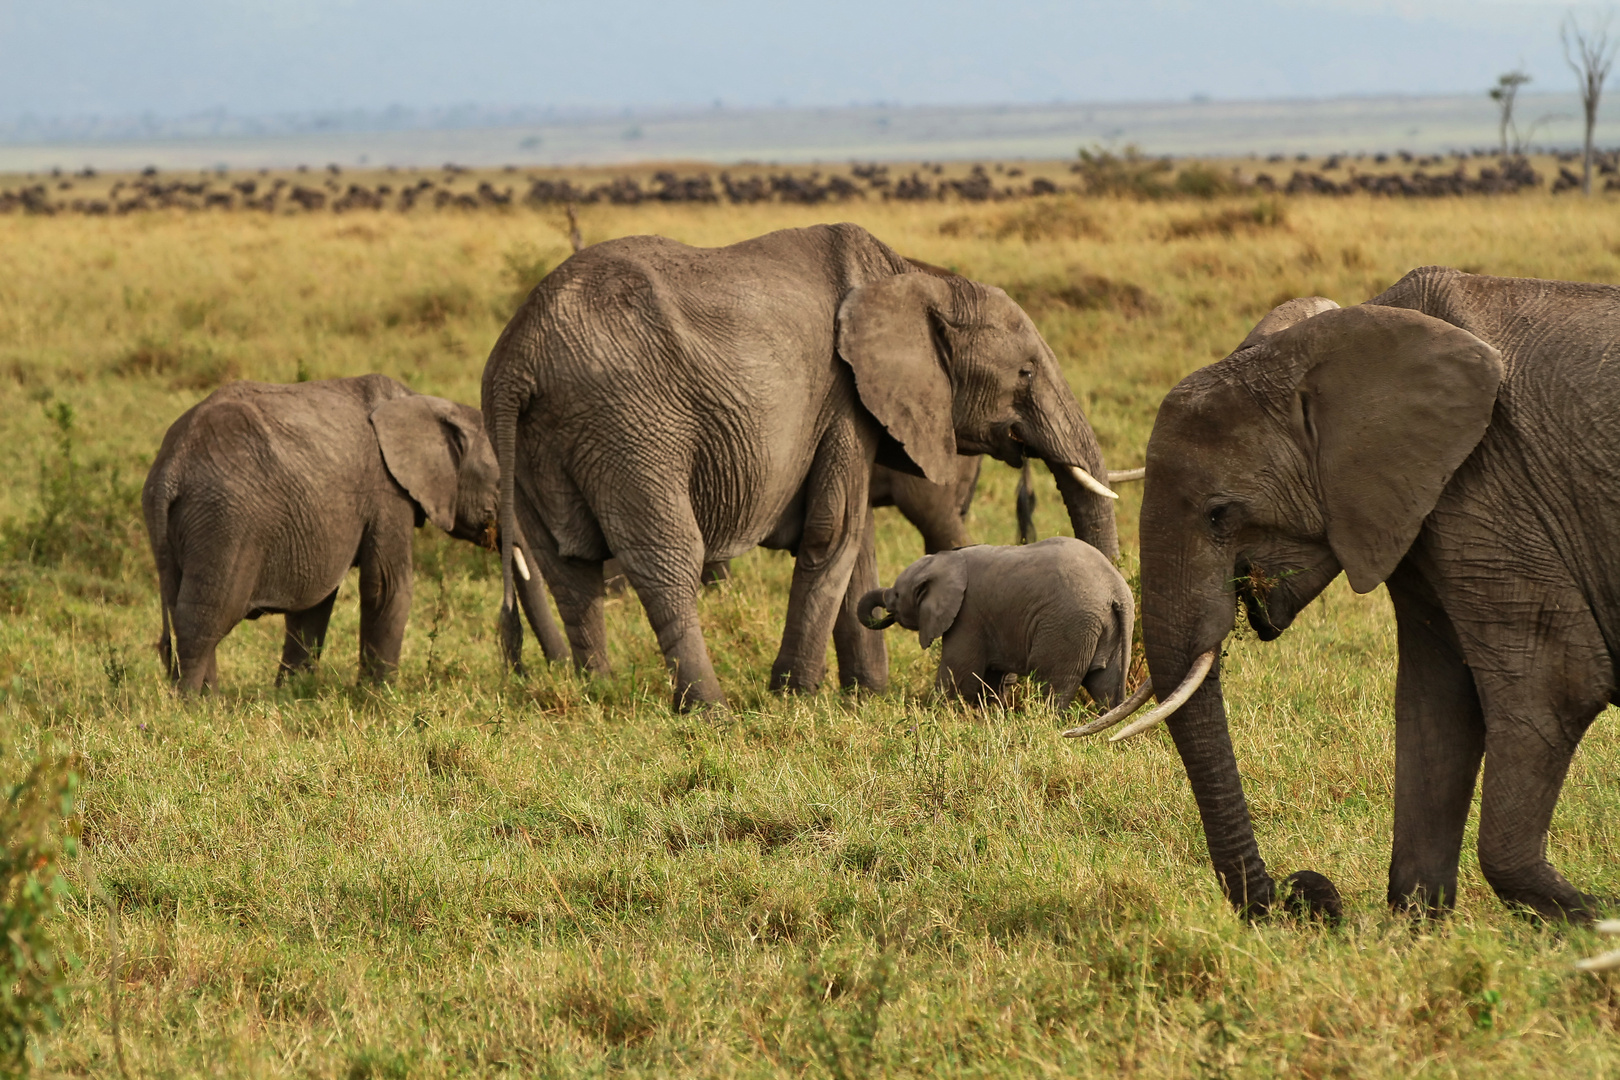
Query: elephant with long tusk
pixel 1454 439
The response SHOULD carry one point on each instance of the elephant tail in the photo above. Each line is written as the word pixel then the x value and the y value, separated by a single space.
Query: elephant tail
pixel 156 499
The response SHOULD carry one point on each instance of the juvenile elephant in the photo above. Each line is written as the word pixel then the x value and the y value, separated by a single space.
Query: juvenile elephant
pixel 674 406
pixel 1455 439
pixel 1057 610
pixel 263 496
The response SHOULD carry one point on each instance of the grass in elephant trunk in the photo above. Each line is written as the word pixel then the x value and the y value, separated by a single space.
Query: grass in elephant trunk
pixel 461 873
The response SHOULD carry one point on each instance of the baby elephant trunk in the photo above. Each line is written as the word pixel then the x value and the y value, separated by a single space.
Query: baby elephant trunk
pixel 866 609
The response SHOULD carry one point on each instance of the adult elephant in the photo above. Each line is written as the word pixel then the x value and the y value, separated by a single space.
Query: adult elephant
pixel 1455 438
pixel 263 496
pixel 673 406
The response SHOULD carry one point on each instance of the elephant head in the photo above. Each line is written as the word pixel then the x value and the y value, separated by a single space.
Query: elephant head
pixel 1321 444
pixel 925 348
pixel 925 597
pixel 438 452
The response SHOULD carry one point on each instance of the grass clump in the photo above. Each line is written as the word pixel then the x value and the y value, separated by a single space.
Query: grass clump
pixel 37 832
pixel 1265 214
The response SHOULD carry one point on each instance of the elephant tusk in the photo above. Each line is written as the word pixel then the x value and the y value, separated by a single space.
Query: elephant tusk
pixel 1138 698
pixel 1091 483
pixel 1607 961
pixel 522 565
pixel 1125 476
pixel 1189 685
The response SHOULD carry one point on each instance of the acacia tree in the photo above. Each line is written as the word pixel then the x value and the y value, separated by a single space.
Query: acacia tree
pixel 1590 54
pixel 1504 93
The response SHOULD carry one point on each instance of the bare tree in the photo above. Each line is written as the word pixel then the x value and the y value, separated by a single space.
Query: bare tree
pixel 1504 93
pixel 1590 54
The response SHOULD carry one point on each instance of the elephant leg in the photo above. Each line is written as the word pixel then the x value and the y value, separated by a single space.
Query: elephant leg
pixel 1542 683
pixel 835 519
pixel 577 588
pixel 964 670
pixel 306 636
pixel 385 599
pixel 1439 740
pixel 207 607
pixel 942 528
pixel 666 577
pixel 863 655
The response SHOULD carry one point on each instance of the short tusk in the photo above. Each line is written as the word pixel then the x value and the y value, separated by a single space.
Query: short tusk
pixel 1609 960
pixel 1138 698
pixel 522 565
pixel 1091 483
pixel 1125 476
pixel 1189 686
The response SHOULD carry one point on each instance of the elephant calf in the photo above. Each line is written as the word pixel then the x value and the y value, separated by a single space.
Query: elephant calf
pixel 263 496
pixel 1057 610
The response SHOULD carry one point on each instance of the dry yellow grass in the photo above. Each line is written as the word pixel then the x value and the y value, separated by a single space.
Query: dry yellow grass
pixel 465 875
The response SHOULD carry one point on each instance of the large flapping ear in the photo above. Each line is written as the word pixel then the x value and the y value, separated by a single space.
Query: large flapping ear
pixel 423 440
pixel 939 591
pixel 1390 403
pixel 1287 314
pixel 889 334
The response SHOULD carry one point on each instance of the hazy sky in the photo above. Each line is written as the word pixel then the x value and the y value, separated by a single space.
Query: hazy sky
pixel 173 57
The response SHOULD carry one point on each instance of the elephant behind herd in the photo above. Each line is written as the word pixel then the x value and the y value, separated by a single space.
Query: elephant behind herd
pixel 1455 439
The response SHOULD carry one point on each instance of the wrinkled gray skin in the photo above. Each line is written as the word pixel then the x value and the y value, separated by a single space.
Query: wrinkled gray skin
pixel 1057 610
pixel 263 496
pixel 674 406
pixel 1456 439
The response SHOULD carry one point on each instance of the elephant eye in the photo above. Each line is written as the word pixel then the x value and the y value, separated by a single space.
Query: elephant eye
pixel 1223 519
pixel 1026 373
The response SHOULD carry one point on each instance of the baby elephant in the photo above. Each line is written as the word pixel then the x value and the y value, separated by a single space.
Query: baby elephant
pixel 263 496
pixel 1057 610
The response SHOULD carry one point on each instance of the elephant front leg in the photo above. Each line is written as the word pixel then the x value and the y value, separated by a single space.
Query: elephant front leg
pixel 836 517
pixel 306 636
pixel 863 655
pixel 1439 740
pixel 385 601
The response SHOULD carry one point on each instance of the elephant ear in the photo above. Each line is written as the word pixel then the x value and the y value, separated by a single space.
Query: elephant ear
pixel 1285 315
pixel 890 334
pixel 423 441
pixel 940 593
pixel 1391 402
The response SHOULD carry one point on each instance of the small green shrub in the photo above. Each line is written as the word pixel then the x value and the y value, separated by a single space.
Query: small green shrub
pixel 1204 182
pixel 1129 173
pixel 525 265
pixel 87 516
pixel 37 831
pixel 430 308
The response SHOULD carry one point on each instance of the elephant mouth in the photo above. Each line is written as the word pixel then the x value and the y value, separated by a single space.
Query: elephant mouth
pixel 490 537
pixel 1254 588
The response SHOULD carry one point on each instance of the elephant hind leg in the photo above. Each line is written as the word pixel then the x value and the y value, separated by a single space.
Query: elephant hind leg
pixel 306 637
pixel 666 576
pixel 577 588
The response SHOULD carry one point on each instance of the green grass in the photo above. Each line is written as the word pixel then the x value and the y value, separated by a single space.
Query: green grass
pixel 465 875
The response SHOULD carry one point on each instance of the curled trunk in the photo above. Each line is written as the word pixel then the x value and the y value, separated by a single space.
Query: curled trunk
pixel 866 609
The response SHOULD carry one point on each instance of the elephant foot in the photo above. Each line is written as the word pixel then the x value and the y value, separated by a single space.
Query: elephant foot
pixel 1309 895
pixel 788 681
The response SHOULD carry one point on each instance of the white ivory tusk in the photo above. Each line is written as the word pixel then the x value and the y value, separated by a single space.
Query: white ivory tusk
pixel 522 566
pixel 1091 483
pixel 1609 960
pixel 1125 476
pixel 1138 698
pixel 1189 685
pixel 1606 962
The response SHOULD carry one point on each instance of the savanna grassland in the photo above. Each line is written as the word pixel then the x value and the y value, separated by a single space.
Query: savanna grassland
pixel 468 874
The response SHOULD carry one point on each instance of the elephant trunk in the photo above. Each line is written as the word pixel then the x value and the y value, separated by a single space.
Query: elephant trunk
pixel 1187 611
pixel 866 609
pixel 1057 433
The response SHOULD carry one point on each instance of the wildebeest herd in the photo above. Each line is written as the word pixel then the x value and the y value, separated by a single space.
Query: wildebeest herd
pixel 1454 438
pixel 218 191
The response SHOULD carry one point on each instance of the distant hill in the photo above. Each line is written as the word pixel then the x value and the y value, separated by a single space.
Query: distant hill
pixel 482 136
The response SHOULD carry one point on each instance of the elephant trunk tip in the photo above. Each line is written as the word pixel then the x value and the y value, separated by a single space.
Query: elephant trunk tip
pixel 1312 896
pixel 866 611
